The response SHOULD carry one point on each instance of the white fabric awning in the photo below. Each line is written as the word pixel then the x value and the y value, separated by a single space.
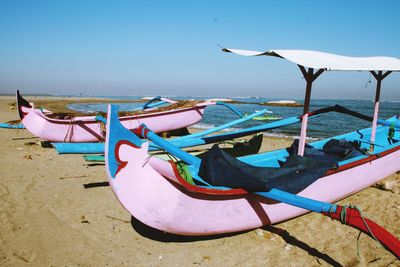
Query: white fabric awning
pixel 327 61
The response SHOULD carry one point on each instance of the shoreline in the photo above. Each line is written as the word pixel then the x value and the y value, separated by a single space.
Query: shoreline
pixel 56 210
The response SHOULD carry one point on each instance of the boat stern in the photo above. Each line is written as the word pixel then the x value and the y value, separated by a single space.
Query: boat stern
pixel 23 105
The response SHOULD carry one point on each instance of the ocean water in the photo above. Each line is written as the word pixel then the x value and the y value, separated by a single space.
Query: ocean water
pixel 329 124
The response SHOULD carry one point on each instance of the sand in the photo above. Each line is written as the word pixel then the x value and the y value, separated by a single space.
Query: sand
pixel 58 211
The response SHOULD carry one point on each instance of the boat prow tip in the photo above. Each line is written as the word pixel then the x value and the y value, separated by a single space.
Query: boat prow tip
pixel 22 104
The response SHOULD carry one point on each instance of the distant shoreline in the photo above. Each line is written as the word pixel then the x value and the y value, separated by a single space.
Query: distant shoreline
pixel 47 101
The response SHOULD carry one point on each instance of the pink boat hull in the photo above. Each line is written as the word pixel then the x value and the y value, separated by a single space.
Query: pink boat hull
pixel 88 129
pixel 149 189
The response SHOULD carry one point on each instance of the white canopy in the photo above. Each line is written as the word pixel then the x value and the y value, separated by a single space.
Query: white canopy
pixel 326 61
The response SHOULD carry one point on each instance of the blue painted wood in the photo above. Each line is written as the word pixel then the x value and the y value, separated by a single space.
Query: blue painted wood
pixel 275 194
pixel 120 132
pixel 12 126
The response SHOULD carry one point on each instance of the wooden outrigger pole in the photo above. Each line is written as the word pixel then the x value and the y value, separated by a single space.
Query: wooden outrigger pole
pixel 379 77
pixel 379 67
pixel 310 77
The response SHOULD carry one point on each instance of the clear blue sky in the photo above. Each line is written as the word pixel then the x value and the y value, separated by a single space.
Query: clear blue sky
pixel 170 47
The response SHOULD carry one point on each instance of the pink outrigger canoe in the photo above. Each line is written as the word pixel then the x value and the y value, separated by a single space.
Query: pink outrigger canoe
pixel 155 192
pixel 88 129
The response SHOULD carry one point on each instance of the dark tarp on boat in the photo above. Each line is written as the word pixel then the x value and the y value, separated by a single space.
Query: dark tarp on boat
pixel 293 175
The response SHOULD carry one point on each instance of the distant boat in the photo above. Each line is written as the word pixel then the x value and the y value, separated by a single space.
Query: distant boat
pixel 267 117
pixel 64 128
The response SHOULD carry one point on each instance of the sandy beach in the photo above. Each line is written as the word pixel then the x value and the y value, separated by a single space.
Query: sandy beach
pixel 55 210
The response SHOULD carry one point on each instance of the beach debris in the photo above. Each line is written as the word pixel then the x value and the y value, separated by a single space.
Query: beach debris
pixel 30 143
pixel 28 157
pixel 391 184
pixel 288 246
pixel 206 258
pixel 374 260
pixel 24 138
pixel 26 256
pixel 97 184
pixel 259 232
pixel 83 219
pixel 3 190
pixel 45 144
pixel 71 177
pixel 95 164
pixel 263 233
pixel 117 219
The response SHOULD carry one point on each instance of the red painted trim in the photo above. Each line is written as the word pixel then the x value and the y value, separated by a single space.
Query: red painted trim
pixel 355 220
pixel 203 190
pixel 23 113
pixel 141 131
pixel 121 164
pixel 239 191
pixel 362 161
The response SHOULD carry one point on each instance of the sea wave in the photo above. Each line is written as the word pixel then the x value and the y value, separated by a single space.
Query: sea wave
pixel 247 97
pixel 81 108
pixel 282 135
pixel 391 101
pixel 325 126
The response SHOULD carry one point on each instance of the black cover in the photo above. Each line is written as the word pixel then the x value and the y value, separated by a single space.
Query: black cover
pixel 343 149
pixel 294 175
pixel 221 169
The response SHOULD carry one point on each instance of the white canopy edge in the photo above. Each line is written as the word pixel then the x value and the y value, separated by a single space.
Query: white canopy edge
pixel 327 61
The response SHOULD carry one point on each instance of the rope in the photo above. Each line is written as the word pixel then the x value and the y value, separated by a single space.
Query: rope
pixel 103 129
pixel 343 216
pixel 181 167
pixel 102 123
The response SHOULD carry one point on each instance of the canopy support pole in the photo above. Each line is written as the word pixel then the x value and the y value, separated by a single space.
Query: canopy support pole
pixel 310 77
pixel 379 77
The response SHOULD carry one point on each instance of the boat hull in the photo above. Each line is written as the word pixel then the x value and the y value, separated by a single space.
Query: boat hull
pixel 88 129
pixel 151 190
